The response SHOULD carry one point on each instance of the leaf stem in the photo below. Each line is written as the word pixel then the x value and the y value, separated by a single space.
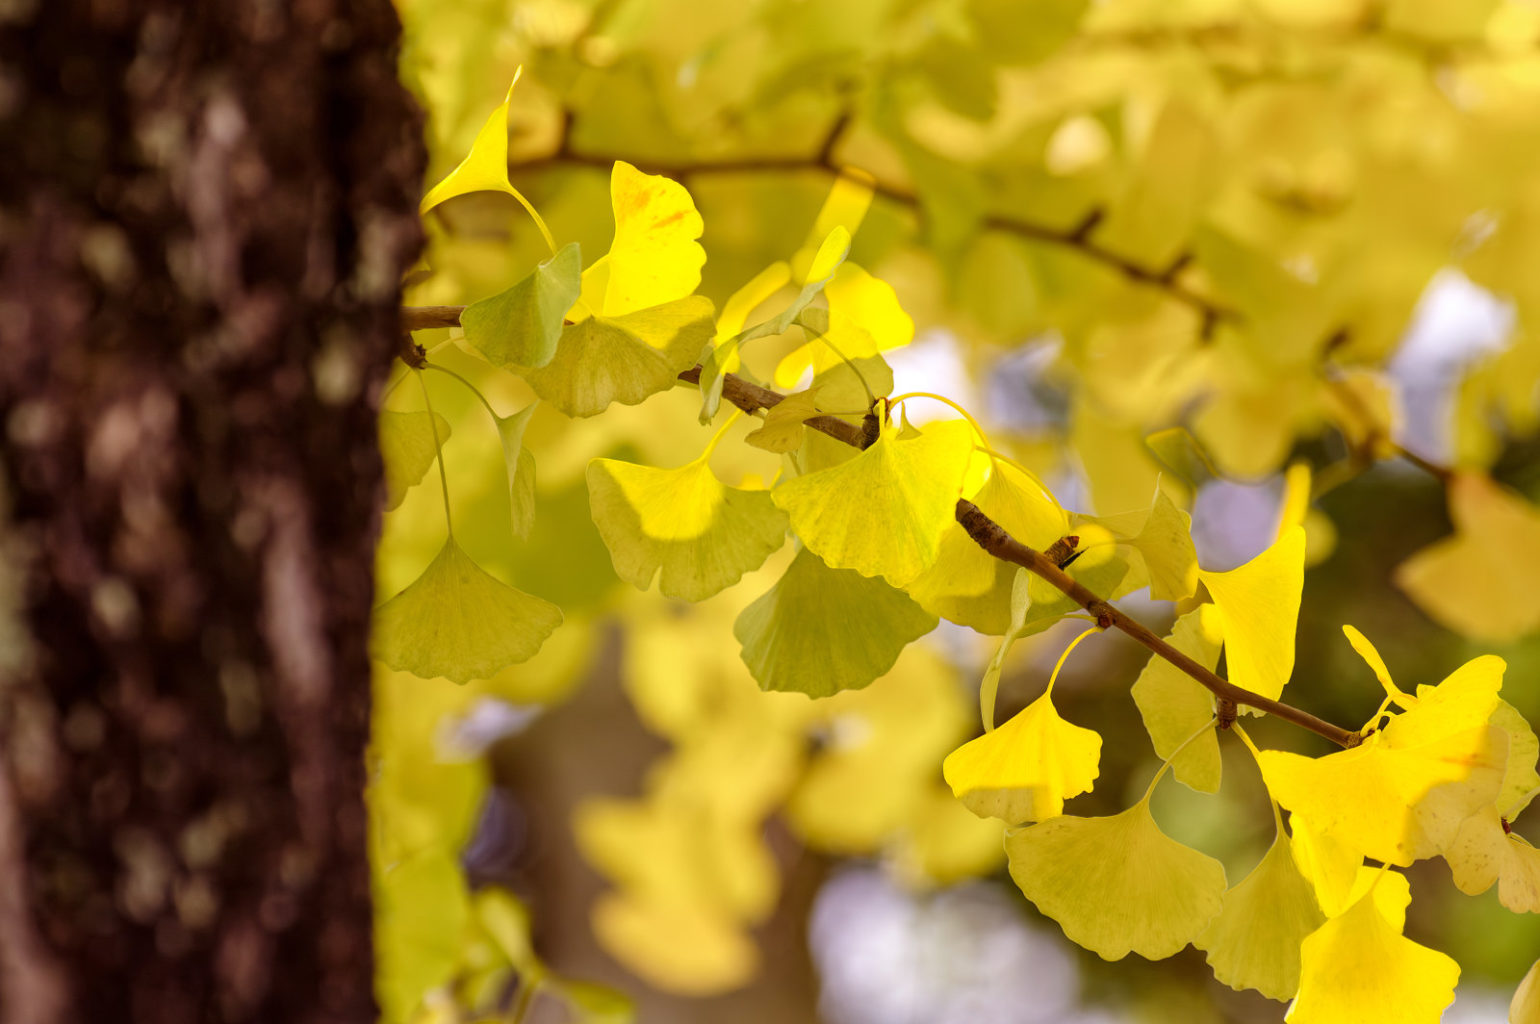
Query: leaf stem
pixel 1054 675
pixel 473 389
pixel 438 446
pixel 1205 727
pixel 1001 457
pixel 871 399
pixel 716 438
pixel 1256 755
pixel 947 401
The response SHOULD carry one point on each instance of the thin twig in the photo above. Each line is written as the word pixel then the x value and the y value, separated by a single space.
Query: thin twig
pixel 824 160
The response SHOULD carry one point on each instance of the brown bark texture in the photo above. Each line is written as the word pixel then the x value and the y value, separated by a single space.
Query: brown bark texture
pixel 205 211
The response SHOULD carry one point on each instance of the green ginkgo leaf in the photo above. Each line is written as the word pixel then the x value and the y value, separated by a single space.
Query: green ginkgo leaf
pixel 626 359
pixel 1174 705
pixel 908 489
pixel 521 326
pixel 459 621
pixel 408 448
pixel 520 466
pixel 821 630
pixel 1117 885
pixel 684 526
pixel 1254 942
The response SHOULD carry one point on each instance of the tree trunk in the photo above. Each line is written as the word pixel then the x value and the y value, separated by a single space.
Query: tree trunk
pixel 205 211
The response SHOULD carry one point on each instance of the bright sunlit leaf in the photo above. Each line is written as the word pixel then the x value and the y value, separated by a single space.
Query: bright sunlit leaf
pixel 654 258
pixel 1329 863
pixel 909 489
pixel 485 167
pixel 864 318
pixel 1117 885
pixel 683 526
pixel 459 621
pixel 1358 967
pixel 1025 769
pixel 1258 611
pixel 1402 794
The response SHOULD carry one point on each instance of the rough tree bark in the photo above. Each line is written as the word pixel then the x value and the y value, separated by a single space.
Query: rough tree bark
pixel 205 210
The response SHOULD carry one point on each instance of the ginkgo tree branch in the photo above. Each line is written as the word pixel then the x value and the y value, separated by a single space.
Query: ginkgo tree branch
pixel 994 539
pixel 1077 236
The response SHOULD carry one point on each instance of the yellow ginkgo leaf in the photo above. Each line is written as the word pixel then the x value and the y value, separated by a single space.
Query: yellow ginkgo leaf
pixel 942 843
pixel 1025 769
pixel 1254 942
pixel 845 208
pixel 1525 1008
pixel 1484 852
pixel 864 318
pixel 688 948
pixel 1165 542
pixel 1330 864
pixel 821 630
pixel 654 258
pixel 782 430
pixel 1117 885
pixel 408 447
pixel 683 526
pixel 1358 967
pixel 1402 794
pixel 1174 706
pixel 968 585
pixel 908 488
pixel 485 167
pixel 459 621
pixel 1520 780
pixel 1371 655
pixel 1481 581
pixel 675 854
pixel 626 359
pixel 725 354
pixel 735 311
pixel 1258 612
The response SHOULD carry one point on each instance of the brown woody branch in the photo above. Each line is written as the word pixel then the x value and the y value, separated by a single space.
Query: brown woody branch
pixel 994 539
pixel 824 160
